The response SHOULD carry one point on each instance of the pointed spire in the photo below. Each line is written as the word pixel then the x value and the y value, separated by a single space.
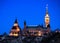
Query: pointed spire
pixel 16 21
pixel 24 22
pixel 46 8
pixel 47 19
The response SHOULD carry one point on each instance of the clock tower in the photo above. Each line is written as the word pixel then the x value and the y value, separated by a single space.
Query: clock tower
pixel 47 19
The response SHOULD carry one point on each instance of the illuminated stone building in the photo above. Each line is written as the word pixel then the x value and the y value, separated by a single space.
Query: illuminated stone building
pixel 15 31
pixel 33 30
pixel 38 30
pixel 32 33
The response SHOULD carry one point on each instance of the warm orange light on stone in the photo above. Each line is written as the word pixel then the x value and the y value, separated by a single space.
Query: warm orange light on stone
pixel 39 33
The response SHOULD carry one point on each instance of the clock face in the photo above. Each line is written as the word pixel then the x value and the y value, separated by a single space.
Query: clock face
pixel 47 20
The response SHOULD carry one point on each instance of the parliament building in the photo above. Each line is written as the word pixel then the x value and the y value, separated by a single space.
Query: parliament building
pixel 33 30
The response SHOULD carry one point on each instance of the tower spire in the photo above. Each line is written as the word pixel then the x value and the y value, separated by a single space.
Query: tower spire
pixel 46 8
pixel 47 19
pixel 16 21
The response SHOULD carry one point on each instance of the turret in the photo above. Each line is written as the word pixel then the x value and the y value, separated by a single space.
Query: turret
pixel 25 26
pixel 15 31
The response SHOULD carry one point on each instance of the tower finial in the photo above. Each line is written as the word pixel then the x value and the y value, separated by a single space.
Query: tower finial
pixel 46 5
pixel 16 21
pixel 46 8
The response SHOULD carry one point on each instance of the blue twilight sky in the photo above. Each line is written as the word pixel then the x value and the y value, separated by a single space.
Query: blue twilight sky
pixel 33 11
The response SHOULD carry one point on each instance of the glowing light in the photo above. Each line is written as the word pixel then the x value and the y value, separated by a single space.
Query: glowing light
pixel 15 24
pixel 39 33
pixel 10 34
pixel 47 16
pixel 15 34
pixel 17 29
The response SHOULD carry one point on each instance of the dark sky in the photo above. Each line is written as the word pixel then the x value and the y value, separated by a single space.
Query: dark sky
pixel 33 11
